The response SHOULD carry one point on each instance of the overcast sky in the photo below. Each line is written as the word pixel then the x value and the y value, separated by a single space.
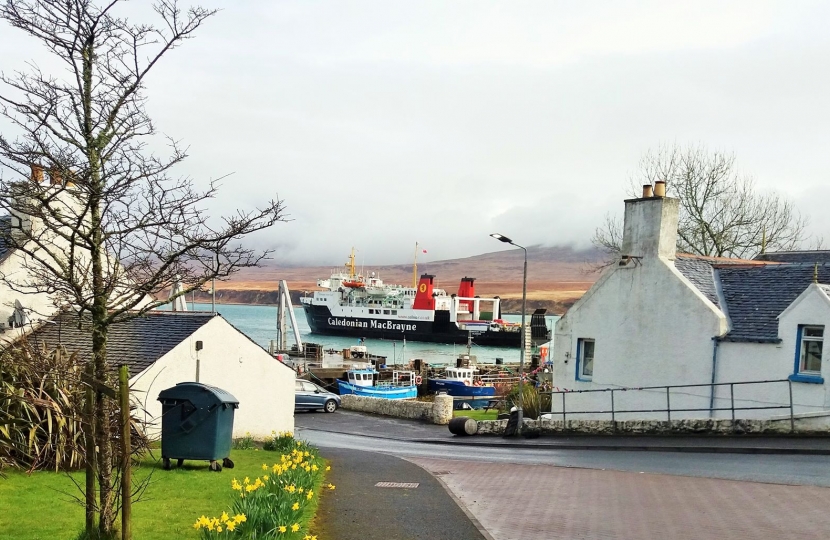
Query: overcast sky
pixel 385 123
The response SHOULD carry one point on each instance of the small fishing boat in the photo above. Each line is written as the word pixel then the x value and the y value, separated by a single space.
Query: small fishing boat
pixel 362 382
pixel 461 382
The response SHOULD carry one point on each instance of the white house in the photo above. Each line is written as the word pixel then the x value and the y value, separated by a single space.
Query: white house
pixel 658 318
pixel 163 348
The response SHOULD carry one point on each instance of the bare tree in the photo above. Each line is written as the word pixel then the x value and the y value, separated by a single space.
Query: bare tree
pixel 721 212
pixel 113 226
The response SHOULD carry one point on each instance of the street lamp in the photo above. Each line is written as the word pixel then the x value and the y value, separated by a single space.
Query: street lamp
pixel 520 415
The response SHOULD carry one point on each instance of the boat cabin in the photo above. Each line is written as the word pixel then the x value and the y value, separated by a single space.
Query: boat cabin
pixel 460 374
pixel 361 377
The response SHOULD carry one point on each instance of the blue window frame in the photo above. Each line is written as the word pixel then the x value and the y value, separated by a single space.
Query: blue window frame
pixel 584 359
pixel 809 349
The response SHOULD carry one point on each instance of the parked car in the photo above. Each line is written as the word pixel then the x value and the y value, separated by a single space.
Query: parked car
pixel 308 397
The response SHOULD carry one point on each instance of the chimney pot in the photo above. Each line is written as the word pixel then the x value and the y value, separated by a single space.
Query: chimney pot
pixel 660 188
pixel 647 193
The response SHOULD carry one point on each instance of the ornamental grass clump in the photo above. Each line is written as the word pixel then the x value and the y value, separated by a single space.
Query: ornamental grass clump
pixel 272 504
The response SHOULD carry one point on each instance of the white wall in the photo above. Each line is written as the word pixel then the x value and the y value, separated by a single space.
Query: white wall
pixel 40 304
pixel 652 328
pixel 231 361
pixel 759 361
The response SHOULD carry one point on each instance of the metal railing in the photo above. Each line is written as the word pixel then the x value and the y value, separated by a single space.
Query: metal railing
pixel 614 411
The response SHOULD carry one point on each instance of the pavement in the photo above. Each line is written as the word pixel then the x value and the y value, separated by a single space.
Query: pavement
pixel 462 499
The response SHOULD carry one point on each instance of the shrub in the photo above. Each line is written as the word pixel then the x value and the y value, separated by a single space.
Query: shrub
pixel 42 410
pixel 274 504
pixel 244 443
pixel 279 442
pixel 531 403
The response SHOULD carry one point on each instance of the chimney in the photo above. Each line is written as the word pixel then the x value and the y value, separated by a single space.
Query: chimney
pixel 647 193
pixel 55 178
pixel 660 188
pixel 37 174
pixel 650 227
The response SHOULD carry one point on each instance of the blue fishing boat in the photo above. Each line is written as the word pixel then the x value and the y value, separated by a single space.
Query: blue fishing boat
pixel 361 382
pixel 461 382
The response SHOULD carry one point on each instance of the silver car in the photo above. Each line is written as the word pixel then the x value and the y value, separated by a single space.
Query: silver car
pixel 308 396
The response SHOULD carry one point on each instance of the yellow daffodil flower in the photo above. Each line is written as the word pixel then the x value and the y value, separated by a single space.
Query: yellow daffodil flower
pixel 295 527
pixel 296 506
pixel 282 528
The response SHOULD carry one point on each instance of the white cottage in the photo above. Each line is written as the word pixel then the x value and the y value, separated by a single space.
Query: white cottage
pixel 658 318
pixel 163 348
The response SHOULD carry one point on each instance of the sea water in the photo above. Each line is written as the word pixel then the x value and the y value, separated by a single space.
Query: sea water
pixel 260 323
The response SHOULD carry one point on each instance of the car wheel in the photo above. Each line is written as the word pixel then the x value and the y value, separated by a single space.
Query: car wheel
pixel 330 406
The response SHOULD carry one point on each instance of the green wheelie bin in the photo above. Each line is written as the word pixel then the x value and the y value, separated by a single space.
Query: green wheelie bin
pixel 197 424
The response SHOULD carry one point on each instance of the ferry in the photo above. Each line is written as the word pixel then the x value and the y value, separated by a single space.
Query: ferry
pixel 366 307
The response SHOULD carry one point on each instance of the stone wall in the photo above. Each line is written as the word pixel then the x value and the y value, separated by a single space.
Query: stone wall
pixel 812 424
pixel 437 412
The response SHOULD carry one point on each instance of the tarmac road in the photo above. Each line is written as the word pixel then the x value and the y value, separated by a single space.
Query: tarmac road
pixel 358 510
pixel 772 468
pixel 530 491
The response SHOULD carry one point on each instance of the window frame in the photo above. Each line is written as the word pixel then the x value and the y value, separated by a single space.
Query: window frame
pixel 580 358
pixel 799 374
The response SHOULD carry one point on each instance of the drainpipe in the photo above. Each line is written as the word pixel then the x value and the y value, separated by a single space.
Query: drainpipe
pixel 716 342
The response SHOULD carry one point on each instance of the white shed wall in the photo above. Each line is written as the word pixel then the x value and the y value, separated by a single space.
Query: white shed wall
pixel 231 361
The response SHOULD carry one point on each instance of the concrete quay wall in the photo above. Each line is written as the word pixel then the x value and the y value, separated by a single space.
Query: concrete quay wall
pixel 437 412
pixel 812 424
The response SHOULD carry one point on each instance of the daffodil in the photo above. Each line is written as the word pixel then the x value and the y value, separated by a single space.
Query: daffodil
pixel 224 517
pixel 331 486
pixel 264 467
pixel 282 528
pixel 328 468
pixel 296 506
pixel 230 526
pixel 295 527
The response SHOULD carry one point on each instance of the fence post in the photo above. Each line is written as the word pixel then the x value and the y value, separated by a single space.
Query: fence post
pixel 89 449
pixel 613 413
pixel 126 455
pixel 668 406
pixel 792 418
pixel 564 419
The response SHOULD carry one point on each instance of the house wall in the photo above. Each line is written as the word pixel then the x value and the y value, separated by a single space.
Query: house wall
pixel 761 361
pixel 231 361
pixel 40 304
pixel 652 327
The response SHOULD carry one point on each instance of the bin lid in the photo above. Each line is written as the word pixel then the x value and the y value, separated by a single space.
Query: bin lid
pixel 197 393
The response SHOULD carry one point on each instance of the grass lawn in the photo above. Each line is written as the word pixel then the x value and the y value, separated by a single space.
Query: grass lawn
pixel 41 506
pixel 478 414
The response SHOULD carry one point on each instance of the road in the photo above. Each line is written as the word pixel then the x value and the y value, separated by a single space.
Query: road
pixel 776 469
pixel 529 493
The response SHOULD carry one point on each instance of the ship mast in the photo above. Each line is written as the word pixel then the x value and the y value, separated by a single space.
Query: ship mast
pixel 415 268
pixel 350 264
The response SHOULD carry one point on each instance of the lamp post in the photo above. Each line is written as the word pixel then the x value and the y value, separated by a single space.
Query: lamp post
pixel 520 415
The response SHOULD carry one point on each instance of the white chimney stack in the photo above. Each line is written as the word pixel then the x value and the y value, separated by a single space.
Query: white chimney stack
pixel 650 227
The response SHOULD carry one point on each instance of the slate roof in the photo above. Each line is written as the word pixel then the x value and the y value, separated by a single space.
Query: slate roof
pixel 701 274
pixel 137 342
pixel 4 227
pixel 756 295
pixel 813 256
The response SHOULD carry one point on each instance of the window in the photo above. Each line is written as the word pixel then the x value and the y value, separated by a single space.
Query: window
pixel 809 347
pixel 584 359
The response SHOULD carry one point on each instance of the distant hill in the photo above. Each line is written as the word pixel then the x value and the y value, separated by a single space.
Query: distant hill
pixel 557 276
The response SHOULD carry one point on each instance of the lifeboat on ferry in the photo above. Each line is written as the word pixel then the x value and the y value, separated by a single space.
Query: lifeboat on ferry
pixel 353 284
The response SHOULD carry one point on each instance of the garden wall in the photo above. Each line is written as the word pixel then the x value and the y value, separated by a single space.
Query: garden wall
pixel 437 412
pixel 806 424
